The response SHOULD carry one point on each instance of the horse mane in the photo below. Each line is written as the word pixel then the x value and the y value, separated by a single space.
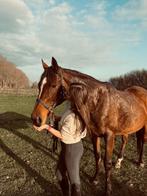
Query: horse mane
pixel 80 74
pixel 87 79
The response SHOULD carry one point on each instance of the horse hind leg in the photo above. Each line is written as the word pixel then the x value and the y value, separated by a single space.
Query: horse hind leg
pixel 141 137
pixel 121 153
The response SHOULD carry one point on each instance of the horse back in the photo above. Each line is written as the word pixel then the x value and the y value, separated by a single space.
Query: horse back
pixel 140 93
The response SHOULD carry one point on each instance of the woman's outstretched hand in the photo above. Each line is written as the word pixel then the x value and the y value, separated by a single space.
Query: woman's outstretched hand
pixel 50 129
pixel 41 128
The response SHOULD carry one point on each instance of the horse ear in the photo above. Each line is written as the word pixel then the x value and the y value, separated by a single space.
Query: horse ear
pixel 45 66
pixel 55 64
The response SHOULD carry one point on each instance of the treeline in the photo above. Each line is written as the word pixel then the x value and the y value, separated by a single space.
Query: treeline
pixel 13 78
pixel 10 76
pixel 138 78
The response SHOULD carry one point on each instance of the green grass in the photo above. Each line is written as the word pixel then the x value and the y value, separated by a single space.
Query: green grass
pixel 27 164
pixel 20 104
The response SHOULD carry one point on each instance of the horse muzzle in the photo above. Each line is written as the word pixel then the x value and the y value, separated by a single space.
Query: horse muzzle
pixel 36 121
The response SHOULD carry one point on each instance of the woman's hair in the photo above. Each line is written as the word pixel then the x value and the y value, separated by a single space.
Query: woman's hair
pixel 78 97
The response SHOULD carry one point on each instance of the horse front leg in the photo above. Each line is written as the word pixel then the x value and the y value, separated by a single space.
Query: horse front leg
pixel 121 153
pixel 97 155
pixel 109 143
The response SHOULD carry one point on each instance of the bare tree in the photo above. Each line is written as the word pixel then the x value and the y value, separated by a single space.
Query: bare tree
pixel 10 76
pixel 138 78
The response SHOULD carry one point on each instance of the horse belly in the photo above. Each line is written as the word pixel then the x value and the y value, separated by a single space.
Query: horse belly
pixel 133 123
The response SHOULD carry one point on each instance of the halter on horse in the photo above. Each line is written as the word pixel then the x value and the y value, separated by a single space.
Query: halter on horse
pixel 111 112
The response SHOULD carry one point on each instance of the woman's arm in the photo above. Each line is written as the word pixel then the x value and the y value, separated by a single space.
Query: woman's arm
pixel 50 129
pixel 54 132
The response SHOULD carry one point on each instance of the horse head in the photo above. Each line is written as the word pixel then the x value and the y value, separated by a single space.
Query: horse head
pixel 51 92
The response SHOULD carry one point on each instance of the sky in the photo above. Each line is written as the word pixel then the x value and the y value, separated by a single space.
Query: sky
pixel 102 38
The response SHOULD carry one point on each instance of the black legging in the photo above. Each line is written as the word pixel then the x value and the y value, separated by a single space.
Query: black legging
pixel 69 162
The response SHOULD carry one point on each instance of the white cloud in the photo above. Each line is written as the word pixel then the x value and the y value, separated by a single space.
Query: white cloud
pixel 14 16
pixel 30 31
pixel 133 10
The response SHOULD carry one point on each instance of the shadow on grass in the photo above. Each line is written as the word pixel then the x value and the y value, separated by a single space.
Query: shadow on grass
pixel 49 189
pixel 13 121
pixel 118 188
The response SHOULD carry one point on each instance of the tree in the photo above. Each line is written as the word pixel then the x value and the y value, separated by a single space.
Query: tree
pixel 138 78
pixel 10 76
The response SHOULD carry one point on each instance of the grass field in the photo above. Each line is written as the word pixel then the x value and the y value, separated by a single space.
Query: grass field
pixel 27 164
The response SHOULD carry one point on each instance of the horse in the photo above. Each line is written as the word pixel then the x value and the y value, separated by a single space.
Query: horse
pixel 83 94
pixel 110 112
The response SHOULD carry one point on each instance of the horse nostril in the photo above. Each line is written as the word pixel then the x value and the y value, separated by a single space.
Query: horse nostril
pixel 38 121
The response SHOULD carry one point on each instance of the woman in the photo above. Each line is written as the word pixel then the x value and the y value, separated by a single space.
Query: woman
pixel 71 131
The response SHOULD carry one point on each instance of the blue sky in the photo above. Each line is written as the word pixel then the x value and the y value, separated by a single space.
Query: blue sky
pixel 103 38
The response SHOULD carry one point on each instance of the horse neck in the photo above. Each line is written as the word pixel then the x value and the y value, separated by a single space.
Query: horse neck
pixel 95 88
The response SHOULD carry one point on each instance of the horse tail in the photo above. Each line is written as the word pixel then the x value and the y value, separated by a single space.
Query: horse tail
pixel 140 139
pixel 145 133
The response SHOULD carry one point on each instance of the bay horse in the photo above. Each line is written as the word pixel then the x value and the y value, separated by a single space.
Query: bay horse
pixel 110 112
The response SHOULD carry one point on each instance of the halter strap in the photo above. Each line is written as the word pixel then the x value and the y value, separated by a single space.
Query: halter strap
pixel 44 105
